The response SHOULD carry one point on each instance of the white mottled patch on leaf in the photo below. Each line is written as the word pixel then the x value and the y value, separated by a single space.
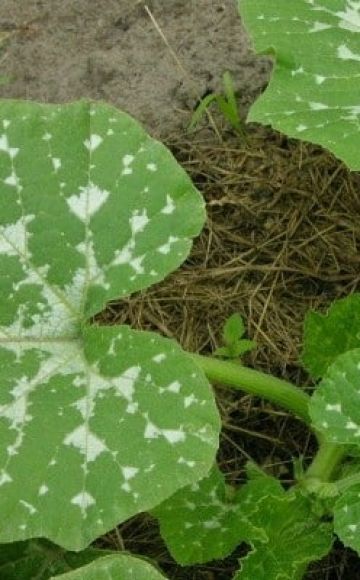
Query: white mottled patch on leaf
pixel 190 400
pixel 336 407
pixel 317 106
pixel 29 507
pixel 4 144
pixel 85 204
pixel 318 26
pixel 174 435
pixel 84 500
pixel 5 478
pixel 125 383
pixel 56 163
pixel 169 207
pixel 129 472
pixel 166 248
pixel 151 167
pixel 174 387
pixel 350 18
pixel 127 161
pixel 158 358
pixel 14 237
pixel 211 524
pixel 138 221
pixel 93 142
pixel 43 489
pixel 86 442
pixel 345 53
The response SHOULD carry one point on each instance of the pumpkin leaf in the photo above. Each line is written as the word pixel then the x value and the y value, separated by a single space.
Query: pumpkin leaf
pixel 314 91
pixel 96 423
pixel 347 518
pixel 119 567
pixel 327 336
pixel 294 537
pixel 41 560
pixel 207 520
pixel 335 405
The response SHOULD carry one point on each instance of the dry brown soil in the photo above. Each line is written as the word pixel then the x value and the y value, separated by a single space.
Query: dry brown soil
pixel 112 50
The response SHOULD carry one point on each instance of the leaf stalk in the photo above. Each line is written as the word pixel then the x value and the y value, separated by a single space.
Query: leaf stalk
pixel 280 392
pixel 256 383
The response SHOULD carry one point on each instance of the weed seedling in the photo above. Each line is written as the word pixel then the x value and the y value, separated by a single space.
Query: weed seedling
pixel 227 104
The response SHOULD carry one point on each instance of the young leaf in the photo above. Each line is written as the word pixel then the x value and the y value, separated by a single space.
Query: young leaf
pixel 201 109
pixel 335 405
pixel 233 329
pixel 41 560
pixel 235 346
pixel 314 91
pixel 96 423
pixel 347 518
pixel 236 350
pixel 294 538
pixel 327 336
pixel 202 523
pixel 119 567
pixel 228 104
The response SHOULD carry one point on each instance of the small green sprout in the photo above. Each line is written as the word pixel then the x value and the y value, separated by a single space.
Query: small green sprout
pixel 235 345
pixel 226 103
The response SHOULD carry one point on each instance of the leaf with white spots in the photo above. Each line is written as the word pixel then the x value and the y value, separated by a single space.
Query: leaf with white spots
pixel 327 336
pixel 294 538
pixel 314 91
pixel 335 405
pixel 207 520
pixel 117 567
pixel 108 422
pixel 347 518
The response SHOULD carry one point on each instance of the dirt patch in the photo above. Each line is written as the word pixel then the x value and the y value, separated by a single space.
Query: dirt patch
pixel 111 50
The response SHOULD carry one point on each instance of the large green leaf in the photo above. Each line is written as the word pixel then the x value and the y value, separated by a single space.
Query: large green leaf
pixel 207 520
pixel 39 560
pixel 335 405
pixel 96 423
pixel 327 336
pixel 294 538
pixel 347 518
pixel 314 91
pixel 119 567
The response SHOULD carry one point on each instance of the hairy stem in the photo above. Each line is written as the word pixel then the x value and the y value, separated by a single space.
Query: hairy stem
pixel 256 383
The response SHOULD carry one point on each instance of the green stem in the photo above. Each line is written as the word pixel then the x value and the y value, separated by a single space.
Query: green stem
pixel 256 383
pixel 328 456
pixel 325 462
